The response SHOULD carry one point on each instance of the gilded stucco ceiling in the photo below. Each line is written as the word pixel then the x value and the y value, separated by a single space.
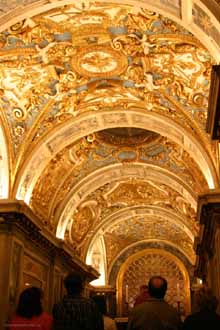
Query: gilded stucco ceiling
pixel 80 159
pixel 132 230
pixel 109 202
pixel 65 56
pixel 104 108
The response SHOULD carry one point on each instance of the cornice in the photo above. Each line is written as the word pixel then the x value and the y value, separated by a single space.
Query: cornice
pixel 210 198
pixel 107 289
pixel 15 206
pixel 15 216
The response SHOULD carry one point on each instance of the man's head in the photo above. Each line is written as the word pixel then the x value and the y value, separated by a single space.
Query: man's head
pixel 74 284
pixel 157 287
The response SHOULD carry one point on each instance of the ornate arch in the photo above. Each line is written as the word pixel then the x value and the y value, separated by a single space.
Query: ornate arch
pixel 191 14
pixel 87 124
pixel 150 211
pixel 140 246
pixel 140 210
pixel 171 259
pixel 114 173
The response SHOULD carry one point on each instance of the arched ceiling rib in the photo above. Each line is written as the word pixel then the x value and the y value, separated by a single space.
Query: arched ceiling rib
pixel 200 17
pixel 148 211
pixel 132 225
pixel 131 250
pixel 114 173
pixel 94 152
pixel 108 119
pixel 122 202
pixel 112 200
pixel 124 233
pixel 63 81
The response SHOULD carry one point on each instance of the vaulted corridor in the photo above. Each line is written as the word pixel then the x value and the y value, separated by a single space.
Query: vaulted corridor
pixel 109 147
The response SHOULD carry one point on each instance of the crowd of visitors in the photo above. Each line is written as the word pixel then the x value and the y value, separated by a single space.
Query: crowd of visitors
pixel 75 312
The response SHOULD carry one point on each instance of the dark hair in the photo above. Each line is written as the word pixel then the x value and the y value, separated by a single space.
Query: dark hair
pixel 74 284
pixel 157 287
pixel 29 303
pixel 101 303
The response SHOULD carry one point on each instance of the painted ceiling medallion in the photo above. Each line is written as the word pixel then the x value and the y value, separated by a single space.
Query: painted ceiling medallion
pixel 99 61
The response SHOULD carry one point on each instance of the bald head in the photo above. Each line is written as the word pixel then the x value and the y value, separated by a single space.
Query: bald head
pixel 157 287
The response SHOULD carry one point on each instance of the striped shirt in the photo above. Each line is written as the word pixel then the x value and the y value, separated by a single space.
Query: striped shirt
pixel 77 313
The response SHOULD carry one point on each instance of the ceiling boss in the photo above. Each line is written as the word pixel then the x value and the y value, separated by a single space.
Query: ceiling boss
pixel 99 61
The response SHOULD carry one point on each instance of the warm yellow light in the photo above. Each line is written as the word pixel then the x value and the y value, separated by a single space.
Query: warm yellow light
pixel 219 155
pixel 23 196
pixel 96 258
pixel 4 175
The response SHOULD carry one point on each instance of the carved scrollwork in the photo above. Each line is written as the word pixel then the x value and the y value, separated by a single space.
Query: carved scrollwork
pixel 102 44
pixel 83 219
pixel 57 66
pixel 19 114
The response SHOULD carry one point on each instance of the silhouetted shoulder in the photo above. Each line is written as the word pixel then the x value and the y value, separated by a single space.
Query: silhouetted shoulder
pixel 209 320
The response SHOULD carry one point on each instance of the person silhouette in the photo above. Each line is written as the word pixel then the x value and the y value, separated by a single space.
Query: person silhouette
pixel 155 313
pixel 29 312
pixel 109 323
pixel 75 311
pixel 206 316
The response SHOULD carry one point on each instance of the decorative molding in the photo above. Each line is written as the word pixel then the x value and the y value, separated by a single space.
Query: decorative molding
pixel 18 218
pixel 141 266
pixel 163 246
